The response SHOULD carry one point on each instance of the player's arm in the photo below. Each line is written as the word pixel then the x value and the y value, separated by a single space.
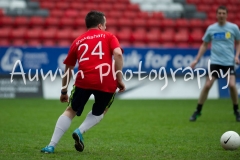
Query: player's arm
pixel 203 48
pixel 65 82
pixel 237 52
pixel 237 38
pixel 201 51
pixel 117 54
pixel 206 39
pixel 66 79
pixel 69 62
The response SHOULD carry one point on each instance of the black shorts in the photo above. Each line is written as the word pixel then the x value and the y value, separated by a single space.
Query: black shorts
pixel 80 96
pixel 215 70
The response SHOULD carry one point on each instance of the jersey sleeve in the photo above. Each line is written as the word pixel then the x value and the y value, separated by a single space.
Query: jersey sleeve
pixel 114 43
pixel 72 55
pixel 237 33
pixel 207 36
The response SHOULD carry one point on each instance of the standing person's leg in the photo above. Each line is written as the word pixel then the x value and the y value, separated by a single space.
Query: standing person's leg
pixel 202 98
pixel 103 101
pixel 234 96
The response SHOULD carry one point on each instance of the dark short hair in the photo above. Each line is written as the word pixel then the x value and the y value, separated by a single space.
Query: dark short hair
pixel 94 18
pixel 222 8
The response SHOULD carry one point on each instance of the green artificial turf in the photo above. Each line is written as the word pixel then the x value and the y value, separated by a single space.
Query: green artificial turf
pixel 131 130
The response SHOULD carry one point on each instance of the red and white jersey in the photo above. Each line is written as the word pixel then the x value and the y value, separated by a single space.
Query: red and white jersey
pixel 93 52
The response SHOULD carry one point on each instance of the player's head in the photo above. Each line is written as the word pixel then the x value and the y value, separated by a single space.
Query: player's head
pixel 95 19
pixel 222 14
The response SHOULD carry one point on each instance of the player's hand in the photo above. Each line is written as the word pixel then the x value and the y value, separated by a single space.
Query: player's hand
pixel 237 60
pixel 64 98
pixel 121 86
pixel 193 64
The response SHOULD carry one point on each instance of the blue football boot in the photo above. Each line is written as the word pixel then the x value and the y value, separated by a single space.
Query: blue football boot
pixel 48 149
pixel 77 136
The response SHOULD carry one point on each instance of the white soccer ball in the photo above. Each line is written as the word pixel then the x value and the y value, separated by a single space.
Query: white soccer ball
pixel 230 140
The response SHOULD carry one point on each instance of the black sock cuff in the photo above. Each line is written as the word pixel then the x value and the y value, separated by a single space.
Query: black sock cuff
pixel 199 107
pixel 235 107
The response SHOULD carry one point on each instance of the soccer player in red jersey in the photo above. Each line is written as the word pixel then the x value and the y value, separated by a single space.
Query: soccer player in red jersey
pixel 99 58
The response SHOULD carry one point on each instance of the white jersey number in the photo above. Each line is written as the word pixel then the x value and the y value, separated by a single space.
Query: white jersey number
pixel 98 46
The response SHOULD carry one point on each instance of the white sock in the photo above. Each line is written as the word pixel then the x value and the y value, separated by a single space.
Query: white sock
pixel 89 122
pixel 61 127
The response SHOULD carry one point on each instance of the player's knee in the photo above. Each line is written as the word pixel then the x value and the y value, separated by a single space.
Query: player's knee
pixel 208 86
pixel 69 109
pixel 232 85
pixel 69 112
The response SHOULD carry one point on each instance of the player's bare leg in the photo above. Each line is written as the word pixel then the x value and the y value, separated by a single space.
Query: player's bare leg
pixel 205 90
pixel 69 112
pixel 105 111
pixel 234 96
pixel 202 98
pixel 62 125
pixel 233 89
